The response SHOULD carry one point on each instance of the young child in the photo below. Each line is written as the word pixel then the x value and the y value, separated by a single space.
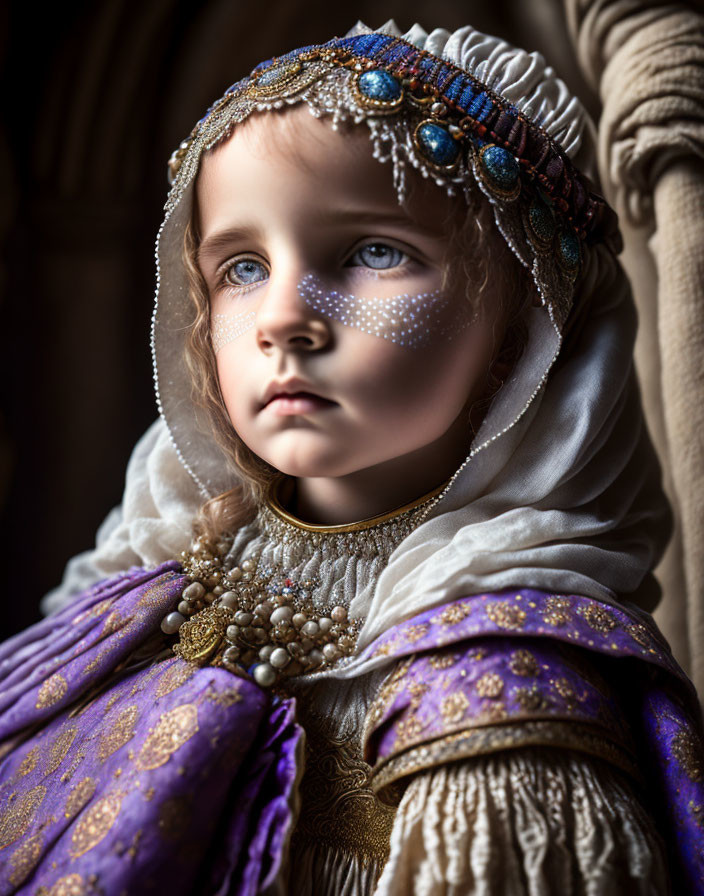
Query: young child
pixel 408 650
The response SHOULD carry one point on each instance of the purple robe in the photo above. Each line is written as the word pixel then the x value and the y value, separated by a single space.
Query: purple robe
pixel 139 776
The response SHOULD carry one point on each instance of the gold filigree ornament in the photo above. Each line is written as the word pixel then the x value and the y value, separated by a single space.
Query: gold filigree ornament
pixel 491 684
pixel 454 707
pixel 95 824
pixel 597 618
pixel 523 663
pixel 339 811
pixel 506 614
pixel 556 611
pixel 173 729
pixel 59 747
pixel 25 858
pixel 201 636
pixel 51 691
pixel 79 797
pixel 254 619
pixel 69 885
pixel 19 814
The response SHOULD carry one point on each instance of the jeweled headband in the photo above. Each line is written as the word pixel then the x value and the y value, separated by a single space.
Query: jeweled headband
pixel 426 111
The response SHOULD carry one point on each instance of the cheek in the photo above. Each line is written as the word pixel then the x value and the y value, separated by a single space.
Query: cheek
pixel 231 367
pixel 430 385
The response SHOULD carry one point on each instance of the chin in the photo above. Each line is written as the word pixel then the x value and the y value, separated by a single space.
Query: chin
pixel 302 469
pixel 311 464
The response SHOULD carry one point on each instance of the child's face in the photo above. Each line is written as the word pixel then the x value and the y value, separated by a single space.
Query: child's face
pixel 304 247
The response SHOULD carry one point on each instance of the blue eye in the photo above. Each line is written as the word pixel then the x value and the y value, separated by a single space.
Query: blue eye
pixel 246 272
pixel 378 256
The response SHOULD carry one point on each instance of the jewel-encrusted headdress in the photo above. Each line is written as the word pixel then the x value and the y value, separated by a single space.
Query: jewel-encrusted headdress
pixel 423 110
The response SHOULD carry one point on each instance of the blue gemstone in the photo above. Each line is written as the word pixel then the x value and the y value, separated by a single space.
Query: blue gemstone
pixel 542 221
pixel 437 144
pixel 501 166
pixel 569 248
pixel 377 84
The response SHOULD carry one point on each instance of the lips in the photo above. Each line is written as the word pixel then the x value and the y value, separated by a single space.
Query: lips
pixel 293 393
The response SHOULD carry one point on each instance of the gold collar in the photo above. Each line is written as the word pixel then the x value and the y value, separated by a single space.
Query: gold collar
pixel 273 503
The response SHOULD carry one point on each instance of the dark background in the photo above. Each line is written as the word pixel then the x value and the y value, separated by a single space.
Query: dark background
pixel 95 97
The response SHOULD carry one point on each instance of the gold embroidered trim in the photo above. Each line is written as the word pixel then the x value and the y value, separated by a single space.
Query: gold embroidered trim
pixel 493 738
pixel 339 810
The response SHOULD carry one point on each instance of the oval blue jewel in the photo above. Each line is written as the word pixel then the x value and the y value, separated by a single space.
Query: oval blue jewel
pixel 542 221
pixel 501 166
pixel 377 84
pixel 569 249
pixel 437 144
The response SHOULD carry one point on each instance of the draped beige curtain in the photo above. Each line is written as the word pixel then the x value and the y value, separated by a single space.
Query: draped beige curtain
pixel 646 60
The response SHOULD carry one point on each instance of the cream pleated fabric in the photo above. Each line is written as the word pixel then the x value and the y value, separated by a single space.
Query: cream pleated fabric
pixel 524 823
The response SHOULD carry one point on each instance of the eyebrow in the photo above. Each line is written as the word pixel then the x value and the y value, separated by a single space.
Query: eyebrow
pixel 398 218
pixel 214 244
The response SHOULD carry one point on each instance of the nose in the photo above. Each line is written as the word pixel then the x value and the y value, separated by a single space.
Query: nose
pixel 285 321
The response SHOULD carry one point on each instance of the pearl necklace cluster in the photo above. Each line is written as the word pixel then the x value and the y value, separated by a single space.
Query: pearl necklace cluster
pixel 254 619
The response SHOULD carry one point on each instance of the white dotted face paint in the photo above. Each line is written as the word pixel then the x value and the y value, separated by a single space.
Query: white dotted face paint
pixel 413 321
pixel 225 328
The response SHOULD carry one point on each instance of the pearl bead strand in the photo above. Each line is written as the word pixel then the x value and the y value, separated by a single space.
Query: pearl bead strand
pixel 260 621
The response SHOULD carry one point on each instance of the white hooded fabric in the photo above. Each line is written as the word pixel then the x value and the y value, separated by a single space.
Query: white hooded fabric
pixel 561 487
